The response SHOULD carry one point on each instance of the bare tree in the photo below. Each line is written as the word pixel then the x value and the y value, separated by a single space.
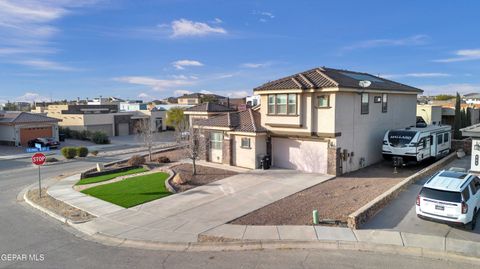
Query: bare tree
pixel 146 133
pixel 195 146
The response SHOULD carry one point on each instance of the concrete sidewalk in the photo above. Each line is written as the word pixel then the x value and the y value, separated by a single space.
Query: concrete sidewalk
pixel 183 216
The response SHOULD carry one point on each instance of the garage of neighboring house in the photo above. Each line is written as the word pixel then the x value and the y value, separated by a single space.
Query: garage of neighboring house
pixel 104 128
pixel 17 128
pixel 304 155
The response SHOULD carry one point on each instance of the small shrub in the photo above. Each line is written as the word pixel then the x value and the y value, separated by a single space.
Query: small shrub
pixel 163 159
pixel 51 160
pixel 69 152
pixel 94 152
pixel 136 160
pixel 100 138
pixel 82 151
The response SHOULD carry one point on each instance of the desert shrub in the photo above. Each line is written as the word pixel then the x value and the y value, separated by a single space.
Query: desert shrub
pixel 100 138
pixel 82 151
pixel 66 131
pixel 163 159
pixel 94 152
pixel 69 152
pixel 51 160
pixel 136 160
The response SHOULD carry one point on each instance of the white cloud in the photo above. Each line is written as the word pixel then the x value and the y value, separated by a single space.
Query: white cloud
pixel 239 94
pixel 462 55
pixel 264 16
pixel 32 97
pixel 27 26
pixel 373 43
pixel 46 65
pixel 255 65
pixel 154 83
pixel 217 20
pixel 206 92
pixel 267 14
pixel 186 28
pixel 451 88
pixel 417 75
pixel 182 63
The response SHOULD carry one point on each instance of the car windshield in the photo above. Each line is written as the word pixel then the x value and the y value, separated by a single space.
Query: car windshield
pixel 400 138
pixel 441 195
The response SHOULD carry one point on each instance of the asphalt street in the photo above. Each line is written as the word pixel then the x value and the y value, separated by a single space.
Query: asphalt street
pixel 45 243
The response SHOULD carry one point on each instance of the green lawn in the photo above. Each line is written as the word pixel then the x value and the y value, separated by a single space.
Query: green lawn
pixel 132 191
pixel 110 176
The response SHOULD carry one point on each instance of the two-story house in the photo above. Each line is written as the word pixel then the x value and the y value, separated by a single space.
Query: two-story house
pixel 322 120
pixel 332 121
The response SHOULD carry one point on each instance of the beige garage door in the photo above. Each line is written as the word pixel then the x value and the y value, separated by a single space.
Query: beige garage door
pixel 27 134
pixel 304 155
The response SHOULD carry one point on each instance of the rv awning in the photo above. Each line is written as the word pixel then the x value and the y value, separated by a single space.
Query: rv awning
pixel 473 131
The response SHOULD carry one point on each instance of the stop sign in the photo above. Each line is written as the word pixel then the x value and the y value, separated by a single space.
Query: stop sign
pixel 38 159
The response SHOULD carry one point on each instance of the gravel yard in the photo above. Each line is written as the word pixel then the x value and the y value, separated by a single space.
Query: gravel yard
pixel 334 199
pixel 58 207
pixel 173 155
pixel 204 175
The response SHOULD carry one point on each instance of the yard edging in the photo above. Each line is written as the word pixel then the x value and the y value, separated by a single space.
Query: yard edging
pixel 369 210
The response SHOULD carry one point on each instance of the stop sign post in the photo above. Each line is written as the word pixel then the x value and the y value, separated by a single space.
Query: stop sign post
pixel 39 159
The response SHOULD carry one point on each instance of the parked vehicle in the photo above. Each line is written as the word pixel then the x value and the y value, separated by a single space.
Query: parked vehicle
pixel 44 142
pixel 450 196
pixel 417 143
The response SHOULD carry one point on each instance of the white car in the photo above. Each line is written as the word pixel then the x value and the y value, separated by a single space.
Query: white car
pixel 451 197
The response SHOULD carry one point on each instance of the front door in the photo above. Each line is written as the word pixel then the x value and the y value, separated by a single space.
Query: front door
pixel 216 145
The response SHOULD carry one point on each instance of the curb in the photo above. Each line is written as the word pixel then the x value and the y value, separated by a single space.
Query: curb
pixel 44 210
pixel 369 210
pixel 279 245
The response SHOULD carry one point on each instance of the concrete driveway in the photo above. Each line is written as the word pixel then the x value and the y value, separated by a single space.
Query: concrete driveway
pixel 182 217
pixel 400 214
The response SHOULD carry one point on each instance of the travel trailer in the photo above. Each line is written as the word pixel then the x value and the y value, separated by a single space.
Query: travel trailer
pixel 417 143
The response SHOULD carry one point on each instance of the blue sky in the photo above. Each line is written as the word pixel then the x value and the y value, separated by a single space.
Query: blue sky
pixel 152 49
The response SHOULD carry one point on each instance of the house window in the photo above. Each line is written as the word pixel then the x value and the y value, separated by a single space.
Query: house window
pixel 216 140
pixel 445 138
pixel 364 107
pixel 384 103
pixel 271 104
pixel 245 143
pixel 292 104
pixel 281 104
pixel 323 101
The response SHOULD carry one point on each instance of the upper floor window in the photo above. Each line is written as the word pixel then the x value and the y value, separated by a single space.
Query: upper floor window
pixel 282 104
pixel 384 103
pixel 365 103
pixel 271 104
pixel 323 101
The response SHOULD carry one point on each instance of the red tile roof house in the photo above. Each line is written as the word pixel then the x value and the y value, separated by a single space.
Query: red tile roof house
pixel 234 138
pixel 17 128
pixel 323 120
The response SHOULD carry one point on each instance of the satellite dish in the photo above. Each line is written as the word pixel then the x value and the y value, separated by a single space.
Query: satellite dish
pixel 364 83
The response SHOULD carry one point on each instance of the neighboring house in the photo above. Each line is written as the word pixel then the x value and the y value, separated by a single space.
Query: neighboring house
pixel 17 128
pixel 472 98
pixel 430 114
pixel 133 106
pixel 205 111
pixel 234 138
pixel 332 121
pixel 105 118
pixel 104 101
pixel 253 100
pixel 198 98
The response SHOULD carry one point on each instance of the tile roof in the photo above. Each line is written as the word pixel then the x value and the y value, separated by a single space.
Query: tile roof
pixel 200 95
pixel 323 77
pixel 24 117
pixel 242 121
pixel 209 107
